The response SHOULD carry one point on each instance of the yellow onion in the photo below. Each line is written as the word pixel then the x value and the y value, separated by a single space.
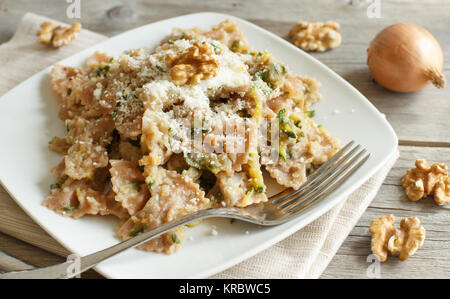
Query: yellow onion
pixel 406 57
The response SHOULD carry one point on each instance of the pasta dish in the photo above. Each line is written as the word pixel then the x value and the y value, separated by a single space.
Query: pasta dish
pixel 155 134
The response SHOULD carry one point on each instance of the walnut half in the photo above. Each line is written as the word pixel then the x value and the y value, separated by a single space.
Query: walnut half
pixel 407 239
pixel 192 65
pixel 382 229
pixel 403 242
pixel 316 36
pixel 58 36
pixel 442 191
pixel 422 180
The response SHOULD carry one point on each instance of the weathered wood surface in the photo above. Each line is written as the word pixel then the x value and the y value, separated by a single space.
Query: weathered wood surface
pixel 15 220
pixel 420 119
pixel 10 263
pixel 21 255
pixel 432 260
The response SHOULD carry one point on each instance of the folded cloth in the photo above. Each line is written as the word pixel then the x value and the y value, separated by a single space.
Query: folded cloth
pixel 305 254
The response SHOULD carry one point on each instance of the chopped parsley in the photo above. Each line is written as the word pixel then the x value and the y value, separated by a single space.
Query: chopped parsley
pixel 260 189
pixel 151 182
pixel 69 208
pixel 196 131
pixel 235 45
pixel 211 167
pixel 159 68
pixel 135 186
pixel 192 162
pixel 310 113
pixel 203 164
pixel 69 91
pixel 136 143
pixel 55 186
pixel 67 126
pixel 310 170
pixel 281 115
pixel 285 128
pixel 264 74
pixel 290 134
pixel 285 156
pixel 116 108
pixel 181 169
pixel 175 238
pixel 102 70
pixel 137 231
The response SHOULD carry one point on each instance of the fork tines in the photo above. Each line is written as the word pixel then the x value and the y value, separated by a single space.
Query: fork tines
pixel 325 179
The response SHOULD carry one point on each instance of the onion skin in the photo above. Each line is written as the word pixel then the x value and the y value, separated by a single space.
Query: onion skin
pixel 405 58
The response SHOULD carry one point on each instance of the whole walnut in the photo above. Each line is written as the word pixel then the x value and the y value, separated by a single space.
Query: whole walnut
pixel 424 180
pixel 403 241
pixel 316 36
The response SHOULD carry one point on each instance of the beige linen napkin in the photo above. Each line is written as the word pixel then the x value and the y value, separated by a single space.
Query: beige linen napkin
pixel 305 254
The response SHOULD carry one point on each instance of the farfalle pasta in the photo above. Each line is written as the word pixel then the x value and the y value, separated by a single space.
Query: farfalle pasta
pixel 155 134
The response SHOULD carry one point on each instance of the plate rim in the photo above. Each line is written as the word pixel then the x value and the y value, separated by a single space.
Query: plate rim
pixel 289 230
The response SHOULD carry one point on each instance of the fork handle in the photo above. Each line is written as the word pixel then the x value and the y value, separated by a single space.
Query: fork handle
pixel 76 266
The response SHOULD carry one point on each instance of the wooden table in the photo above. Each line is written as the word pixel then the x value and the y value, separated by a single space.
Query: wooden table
pixel 421 120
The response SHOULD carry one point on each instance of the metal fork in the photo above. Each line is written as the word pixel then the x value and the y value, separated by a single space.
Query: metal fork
pixel 280 208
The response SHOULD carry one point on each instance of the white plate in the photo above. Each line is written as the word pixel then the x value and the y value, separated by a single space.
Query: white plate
pixel 28 120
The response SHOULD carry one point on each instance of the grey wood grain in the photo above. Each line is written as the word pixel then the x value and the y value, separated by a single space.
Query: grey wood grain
pixel 16 220
pixel 430 261
pixel 420 118
pixel 9 263
pixel 30 256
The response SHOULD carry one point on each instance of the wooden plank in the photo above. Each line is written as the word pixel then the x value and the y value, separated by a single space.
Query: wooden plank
pixel 18 224
pixel 430 261
pixel 9 263
pixel 424 143
pixel 32 256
